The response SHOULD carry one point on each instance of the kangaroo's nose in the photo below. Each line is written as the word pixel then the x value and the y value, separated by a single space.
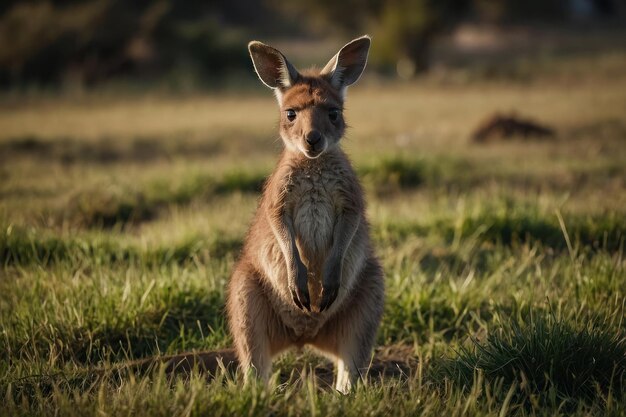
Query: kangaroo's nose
pixel 313 137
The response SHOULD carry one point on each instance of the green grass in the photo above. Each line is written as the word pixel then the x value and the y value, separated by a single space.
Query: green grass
pixel 123 208
pixel 550 357
pixel 121 220
pixel 25 247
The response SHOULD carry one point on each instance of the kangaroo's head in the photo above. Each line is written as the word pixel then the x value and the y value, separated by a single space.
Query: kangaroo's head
pixel 311 103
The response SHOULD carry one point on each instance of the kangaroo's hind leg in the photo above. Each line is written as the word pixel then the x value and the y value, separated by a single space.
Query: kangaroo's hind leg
pixel 253 324
pixel 349 336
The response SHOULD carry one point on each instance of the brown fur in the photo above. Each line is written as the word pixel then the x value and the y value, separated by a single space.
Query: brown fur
pixel 308 274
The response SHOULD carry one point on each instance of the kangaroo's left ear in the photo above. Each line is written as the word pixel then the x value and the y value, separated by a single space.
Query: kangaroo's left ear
pixel 346 67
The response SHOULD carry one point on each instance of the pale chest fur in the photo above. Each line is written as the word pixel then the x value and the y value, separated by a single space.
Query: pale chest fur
pixel 313 201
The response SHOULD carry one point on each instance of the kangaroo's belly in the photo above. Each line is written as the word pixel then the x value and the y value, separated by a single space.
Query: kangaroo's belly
pixel 314 219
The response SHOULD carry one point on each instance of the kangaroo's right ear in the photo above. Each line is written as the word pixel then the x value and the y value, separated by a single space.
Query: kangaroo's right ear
pixel 346 67
pixel 271 66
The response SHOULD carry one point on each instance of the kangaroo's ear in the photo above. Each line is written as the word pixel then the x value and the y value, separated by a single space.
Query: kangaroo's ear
pixel 346 67
pixel 271 66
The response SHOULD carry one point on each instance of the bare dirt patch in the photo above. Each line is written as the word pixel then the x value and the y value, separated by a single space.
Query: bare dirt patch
pixel 502 127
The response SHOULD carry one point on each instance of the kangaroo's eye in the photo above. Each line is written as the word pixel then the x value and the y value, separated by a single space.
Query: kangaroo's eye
pixel 291 115
pixel 333 115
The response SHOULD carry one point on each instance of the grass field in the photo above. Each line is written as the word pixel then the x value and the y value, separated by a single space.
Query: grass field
pixel 121 218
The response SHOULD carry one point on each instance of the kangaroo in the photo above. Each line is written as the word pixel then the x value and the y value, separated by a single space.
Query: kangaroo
pixel 307 273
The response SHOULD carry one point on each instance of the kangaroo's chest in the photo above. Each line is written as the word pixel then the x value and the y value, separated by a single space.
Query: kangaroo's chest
pixel 315 202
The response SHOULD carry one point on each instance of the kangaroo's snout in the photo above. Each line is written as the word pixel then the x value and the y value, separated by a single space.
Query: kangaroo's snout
pixel 313 137
pixel 315 144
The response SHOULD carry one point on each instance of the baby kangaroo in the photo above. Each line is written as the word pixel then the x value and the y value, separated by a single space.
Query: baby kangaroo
pixel 308 273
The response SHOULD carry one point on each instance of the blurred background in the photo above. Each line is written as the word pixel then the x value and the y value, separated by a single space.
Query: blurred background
pixel 195 44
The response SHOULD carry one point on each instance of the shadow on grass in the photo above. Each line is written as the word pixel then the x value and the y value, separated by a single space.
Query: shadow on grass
pixel 606 232
pixel 420 318
pixel 443 259
pixel 102 209
pixel 512 226
pixel 240 181
pixel 99 209
pixel 106 150
pixel 184 320
pixel 394 173
pixel 22 247
pixel 397 173
pixel 396 361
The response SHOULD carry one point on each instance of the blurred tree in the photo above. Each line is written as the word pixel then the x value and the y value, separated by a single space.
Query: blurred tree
pixel 403 29
pixel 330 16
pixel 87 41
pixel 521 10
